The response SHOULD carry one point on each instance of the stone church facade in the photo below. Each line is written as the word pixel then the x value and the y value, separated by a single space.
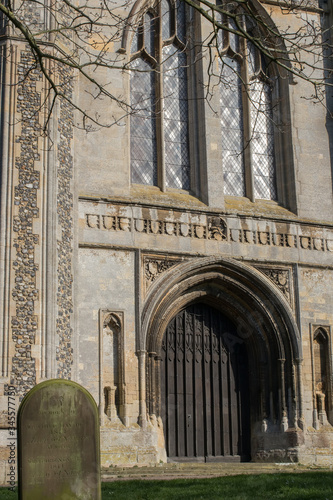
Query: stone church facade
pixel 183 279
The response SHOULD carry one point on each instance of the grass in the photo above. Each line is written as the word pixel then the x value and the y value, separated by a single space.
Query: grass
pixel 286 486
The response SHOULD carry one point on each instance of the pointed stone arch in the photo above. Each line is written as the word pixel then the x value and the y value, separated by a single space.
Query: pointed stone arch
pixel 264 322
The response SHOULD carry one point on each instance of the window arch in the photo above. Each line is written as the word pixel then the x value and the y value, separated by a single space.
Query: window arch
pixel 159 98
pixel 246 106
pixel 167 147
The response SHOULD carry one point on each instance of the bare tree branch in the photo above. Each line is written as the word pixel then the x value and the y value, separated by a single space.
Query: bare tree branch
pixel 86 37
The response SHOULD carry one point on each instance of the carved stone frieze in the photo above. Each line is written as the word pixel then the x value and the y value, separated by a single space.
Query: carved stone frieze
pixel 212 228
pixel 108 222
pixel 208 226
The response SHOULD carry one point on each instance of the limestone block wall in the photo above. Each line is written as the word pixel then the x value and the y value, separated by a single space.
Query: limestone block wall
pixel 111 289
pixel 311 152
pixel 316 310
pixel 108 317
pixel 316 313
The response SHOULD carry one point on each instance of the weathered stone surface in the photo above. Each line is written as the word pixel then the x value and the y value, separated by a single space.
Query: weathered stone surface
pixel 58 443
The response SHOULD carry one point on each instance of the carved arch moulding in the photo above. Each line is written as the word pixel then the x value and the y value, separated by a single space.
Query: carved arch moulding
pixel 263 319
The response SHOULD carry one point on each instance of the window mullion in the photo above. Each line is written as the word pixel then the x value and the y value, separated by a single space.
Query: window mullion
pixel 249 181
pixel 192 118
pixel 161 174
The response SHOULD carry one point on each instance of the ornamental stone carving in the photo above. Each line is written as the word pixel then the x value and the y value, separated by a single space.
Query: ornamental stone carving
pixel 154 266
pixel 112 323
pixel 329 244
pixel 217 228
pixel 281 277
pixel 208 226
pixel 249 236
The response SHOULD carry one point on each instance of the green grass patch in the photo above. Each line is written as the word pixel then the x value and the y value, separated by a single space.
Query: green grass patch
pixel 300 486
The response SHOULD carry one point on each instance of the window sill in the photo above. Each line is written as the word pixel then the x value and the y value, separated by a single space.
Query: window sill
pixel 172 197
pixel 266 208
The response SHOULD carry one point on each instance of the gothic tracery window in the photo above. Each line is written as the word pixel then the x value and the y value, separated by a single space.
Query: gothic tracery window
pixel 159 99
pixel 246 117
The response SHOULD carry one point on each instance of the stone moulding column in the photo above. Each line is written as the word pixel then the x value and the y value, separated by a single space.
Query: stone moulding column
pixel 152 383
pixel 8 79
pixel 142 388
pixel 314 398
pixel 284 416
pixel 158 386
pixel 295 398
pixel 299 362
pixel 110 410
pixel 330 377
pixel 154 386
pixel 264 409
pixel 315 422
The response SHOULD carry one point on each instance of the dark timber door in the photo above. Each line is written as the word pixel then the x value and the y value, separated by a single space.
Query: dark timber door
pixel 204 387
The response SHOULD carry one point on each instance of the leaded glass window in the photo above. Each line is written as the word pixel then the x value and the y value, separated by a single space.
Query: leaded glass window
pixel 246 118
pixel 159 98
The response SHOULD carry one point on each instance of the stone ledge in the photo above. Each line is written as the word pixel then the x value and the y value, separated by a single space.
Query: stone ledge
pixel 201 470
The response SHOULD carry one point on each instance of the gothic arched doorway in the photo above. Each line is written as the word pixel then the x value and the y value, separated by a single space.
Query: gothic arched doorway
pixel 205 404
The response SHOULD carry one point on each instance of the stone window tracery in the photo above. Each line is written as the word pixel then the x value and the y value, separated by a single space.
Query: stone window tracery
pixel 248 155
pixel 159 98
pixel 167 148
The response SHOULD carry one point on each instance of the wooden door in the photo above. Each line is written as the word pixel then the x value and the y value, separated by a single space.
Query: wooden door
pixel 204 387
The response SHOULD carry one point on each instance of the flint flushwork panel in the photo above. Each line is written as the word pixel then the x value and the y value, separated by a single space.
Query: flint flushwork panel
pixel 25 293
pixel 64 329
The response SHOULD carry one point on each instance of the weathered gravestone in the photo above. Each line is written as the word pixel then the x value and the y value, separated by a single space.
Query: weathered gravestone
pixel 58 443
